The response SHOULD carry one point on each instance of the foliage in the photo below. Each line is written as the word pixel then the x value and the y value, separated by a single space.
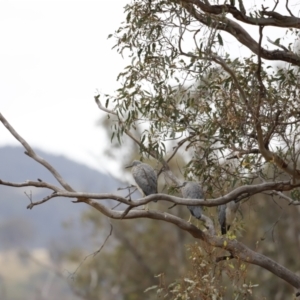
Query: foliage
pixel 238 116
pixel 235 119
pixel 203 94
pixel 130 260
pixel 205 281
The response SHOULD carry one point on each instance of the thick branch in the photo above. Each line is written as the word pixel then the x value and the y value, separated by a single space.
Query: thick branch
pixel 238 194
pixel 274 18
pixel 240 34
pixel 238 250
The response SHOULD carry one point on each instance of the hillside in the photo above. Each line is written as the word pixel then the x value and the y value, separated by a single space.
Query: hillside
pixel 42 226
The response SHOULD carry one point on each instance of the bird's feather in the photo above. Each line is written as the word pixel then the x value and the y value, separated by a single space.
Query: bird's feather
pixel 192 190
pixel 146 178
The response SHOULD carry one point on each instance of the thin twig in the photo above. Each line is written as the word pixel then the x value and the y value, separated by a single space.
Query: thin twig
pixel 94 253
pixel 130 135
pixel 56 270
pixel 32 204
pixel 38 184
pixel 262 89
pixel 287 8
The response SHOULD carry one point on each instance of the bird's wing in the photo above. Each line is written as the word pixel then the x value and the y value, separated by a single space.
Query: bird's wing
pixel 196 211
pixel 193 190
pixel 146 179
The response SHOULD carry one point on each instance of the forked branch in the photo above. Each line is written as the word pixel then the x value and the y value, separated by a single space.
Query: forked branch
pixel 33 155
pixel 237 31
pixel 237 250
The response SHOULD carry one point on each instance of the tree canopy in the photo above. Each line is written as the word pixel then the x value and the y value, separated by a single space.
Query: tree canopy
pixel 219 83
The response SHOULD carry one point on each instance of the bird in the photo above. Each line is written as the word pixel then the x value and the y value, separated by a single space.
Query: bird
pixel 145 177
pixel 226 215
pixel 192 190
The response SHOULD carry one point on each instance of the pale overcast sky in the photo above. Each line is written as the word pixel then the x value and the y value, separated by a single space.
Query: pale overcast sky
pixel 54 55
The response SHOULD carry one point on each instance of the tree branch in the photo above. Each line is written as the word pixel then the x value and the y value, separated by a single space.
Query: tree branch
pixel 275 19
pixel 233 28
pixel 237 249
pixel 273 157
pixel 290 200
pixel 33 155
pixel 38 184
pixel 166 167
pixel 237 195
pixel 287 8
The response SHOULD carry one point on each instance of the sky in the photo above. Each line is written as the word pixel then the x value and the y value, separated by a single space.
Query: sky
pixel 54 56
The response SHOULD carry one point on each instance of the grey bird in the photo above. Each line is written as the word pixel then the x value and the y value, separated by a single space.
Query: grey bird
pixel 192 190
pixel 144 176
pixel 226 215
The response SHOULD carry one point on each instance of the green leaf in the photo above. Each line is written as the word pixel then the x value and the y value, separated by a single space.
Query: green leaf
pixel 112 137
pixel 128 17
pixel 277 41
pixel 118 137
pixel 220 40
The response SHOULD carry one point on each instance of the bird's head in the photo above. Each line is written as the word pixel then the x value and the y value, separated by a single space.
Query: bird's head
pixel 182 185
pixel 134 163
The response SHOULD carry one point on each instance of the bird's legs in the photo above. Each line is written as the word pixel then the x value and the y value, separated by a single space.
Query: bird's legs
pixel 190 218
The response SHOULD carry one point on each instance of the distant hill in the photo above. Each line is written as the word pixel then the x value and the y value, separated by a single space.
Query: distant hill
pixel 42 226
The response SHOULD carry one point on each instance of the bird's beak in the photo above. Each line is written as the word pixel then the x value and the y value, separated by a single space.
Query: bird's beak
pixel 128 166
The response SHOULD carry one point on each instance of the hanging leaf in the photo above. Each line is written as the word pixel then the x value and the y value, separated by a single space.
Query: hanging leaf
pixel 220 40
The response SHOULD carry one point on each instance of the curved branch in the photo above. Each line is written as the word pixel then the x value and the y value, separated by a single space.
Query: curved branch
pixel 38 184
pixel 237 195
pixel 275 19
pixel 287 8
pixel 33 155
pixel 237 249
pixel 179 144
pixel 175 149
pixel 290 200
pixel 32 204
pixel 240 34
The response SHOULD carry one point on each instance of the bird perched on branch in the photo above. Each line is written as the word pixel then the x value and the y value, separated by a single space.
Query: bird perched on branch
pixel 192 190
pixel 226 215
pixel 144 176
